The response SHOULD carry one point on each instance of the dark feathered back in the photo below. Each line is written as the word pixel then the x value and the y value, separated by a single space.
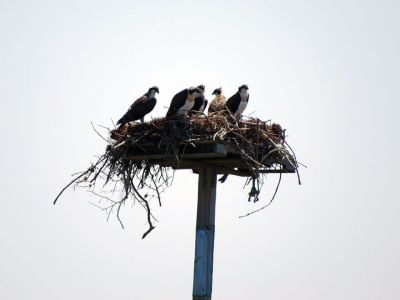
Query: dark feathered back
pixel 177 101
pixel 198 102
pixel 233 102
pixel 138 109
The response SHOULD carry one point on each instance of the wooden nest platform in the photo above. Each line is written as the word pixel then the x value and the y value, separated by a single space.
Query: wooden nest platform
pixel 225 158
pixel 244 148
pixel 140 158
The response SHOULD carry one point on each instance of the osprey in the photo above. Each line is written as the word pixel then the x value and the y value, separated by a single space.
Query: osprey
pixel 218 103
pixel 200 103
pixel 140 107
pixel 238 102
pixel 183 102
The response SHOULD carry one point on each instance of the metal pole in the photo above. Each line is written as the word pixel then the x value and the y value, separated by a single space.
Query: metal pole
pixel 205 227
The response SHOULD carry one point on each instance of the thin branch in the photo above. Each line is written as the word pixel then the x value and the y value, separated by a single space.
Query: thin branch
pixel 95 130
pixel 91 169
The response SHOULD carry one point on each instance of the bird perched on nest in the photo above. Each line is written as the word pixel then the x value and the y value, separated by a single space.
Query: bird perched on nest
pixel 238 102
pixel 183 102
pixel 218 103
pixel 200 103
pixel 141 107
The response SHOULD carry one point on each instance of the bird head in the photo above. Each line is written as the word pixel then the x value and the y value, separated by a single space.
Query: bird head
pixel 154 89
pixel 217 92
pixel 152 92
pixel 243 87
pixel 202 88
pixel 193 92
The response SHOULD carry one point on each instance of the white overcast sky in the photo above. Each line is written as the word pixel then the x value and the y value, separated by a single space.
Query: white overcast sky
pixel 328 71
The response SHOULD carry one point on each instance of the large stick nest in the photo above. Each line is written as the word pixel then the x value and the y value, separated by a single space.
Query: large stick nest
pixel 259 143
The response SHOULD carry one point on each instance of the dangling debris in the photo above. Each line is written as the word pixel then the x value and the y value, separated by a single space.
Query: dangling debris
pixel 254 192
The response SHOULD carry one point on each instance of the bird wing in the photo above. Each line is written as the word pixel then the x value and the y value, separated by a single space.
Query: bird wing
pixel 203 106
pixel 233 102
pixel 198 102
pixel 135 111
pixel 177 102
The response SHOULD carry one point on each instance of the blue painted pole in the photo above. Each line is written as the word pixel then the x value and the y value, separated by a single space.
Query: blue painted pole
pixel 205 229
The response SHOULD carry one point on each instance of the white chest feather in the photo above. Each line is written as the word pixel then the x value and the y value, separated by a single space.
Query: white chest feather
pixel 183 111
pixel 152 94
pixel 241 108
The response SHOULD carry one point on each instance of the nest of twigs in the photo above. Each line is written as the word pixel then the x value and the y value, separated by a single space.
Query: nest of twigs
pixel 259 143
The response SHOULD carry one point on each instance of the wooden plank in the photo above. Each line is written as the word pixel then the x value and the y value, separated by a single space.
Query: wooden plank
pixel 205 230
pixel 218 171
pixel 277 171
pixel 217 151
pixel 242 170
pixel 239 172
pixel 225 158
pixel 221 161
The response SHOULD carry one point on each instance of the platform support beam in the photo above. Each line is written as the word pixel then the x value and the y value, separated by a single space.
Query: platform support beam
pixel 205 228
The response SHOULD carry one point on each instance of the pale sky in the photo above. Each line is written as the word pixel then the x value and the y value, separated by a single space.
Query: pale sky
pixel 327 71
